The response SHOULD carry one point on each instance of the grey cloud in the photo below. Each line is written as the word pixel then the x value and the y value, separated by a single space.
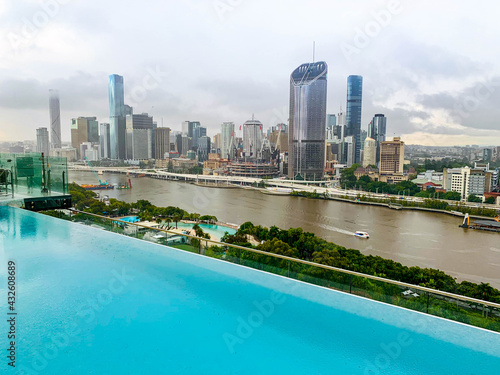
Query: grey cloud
pixel 475 106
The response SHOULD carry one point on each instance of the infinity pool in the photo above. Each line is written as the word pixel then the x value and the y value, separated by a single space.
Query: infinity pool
pixel 93 302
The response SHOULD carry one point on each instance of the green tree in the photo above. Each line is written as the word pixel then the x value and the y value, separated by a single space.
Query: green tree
pixel 453 196
pixel 176 218
pixel 474 198
pixel 490 200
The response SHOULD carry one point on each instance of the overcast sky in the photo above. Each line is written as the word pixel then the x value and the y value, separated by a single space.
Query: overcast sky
pixel 432 67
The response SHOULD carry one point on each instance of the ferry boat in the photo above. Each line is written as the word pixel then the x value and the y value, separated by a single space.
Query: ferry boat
pixel 360 234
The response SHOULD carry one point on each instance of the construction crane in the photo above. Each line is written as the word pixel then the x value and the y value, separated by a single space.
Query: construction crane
pixel 94 172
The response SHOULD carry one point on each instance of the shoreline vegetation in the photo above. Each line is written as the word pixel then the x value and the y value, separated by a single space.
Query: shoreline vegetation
pixel 293 242
pixel 429 205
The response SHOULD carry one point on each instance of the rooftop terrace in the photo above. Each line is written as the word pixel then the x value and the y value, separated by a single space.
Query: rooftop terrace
pixel 34 181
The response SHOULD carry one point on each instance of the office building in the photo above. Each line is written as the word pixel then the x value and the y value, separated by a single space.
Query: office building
pixel 117 124
pixel 162 143
pixel 104 140
pixel 392 155
pixel 252 139
pixel 468 181
pixel 187 144
pixel 370 152
pixel 93 129
pixel 68 153
pixel 55 119
pixel 198 132
pixel 377 129
pixel 142 144
pixel 227 140
pixel 90 151
pixel 353 113
pixel 134 123
pixel 364 135
pixel 84 129
pixel 487 154
pixel 348 151
pixel 216 143
pixel 279 140
pixel 42 141
pixel 203 150
pixel 306 149
pixel 331 121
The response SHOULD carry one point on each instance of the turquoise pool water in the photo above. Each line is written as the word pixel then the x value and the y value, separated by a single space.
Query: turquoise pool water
pixel 215 230
pixel 130 219
pixel 94 302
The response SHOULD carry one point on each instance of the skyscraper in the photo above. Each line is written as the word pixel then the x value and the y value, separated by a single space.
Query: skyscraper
pixel 84 129
pixel 216 142
pixel 370 152
pixel 162 143
pixel 353 113
pixel 392 155
pixel 117 127
pixel 55 119
pixel 42 141
pixel 331 120
pixel 307 121
pixel 134 123
pixel 198 132
pixel 227 140
pixel 252 139
pixel 104 140
pixel 377 130
pixel 203 148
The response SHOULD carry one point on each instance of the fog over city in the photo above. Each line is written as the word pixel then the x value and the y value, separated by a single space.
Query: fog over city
pixel 431 67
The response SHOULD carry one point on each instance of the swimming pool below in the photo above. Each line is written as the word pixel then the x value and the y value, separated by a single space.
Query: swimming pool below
pixel 217 231
pixel 95 302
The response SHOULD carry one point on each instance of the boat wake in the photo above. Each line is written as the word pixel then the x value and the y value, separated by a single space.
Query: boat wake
pixel 334 229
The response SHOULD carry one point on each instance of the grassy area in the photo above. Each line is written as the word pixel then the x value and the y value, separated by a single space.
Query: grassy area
pixel 185 247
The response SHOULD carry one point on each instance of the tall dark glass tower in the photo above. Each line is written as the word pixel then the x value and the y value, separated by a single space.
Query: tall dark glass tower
pixel 306 151
pixel 55 119
pixel 117 124
pixel 353 113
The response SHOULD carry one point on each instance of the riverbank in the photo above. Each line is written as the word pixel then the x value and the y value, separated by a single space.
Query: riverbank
pixel 445 207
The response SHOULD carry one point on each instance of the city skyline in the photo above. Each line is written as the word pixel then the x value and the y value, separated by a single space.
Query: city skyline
pixel 438 85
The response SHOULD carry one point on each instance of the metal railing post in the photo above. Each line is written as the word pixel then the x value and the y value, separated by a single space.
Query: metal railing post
pixel 288 268
pixel 428 296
